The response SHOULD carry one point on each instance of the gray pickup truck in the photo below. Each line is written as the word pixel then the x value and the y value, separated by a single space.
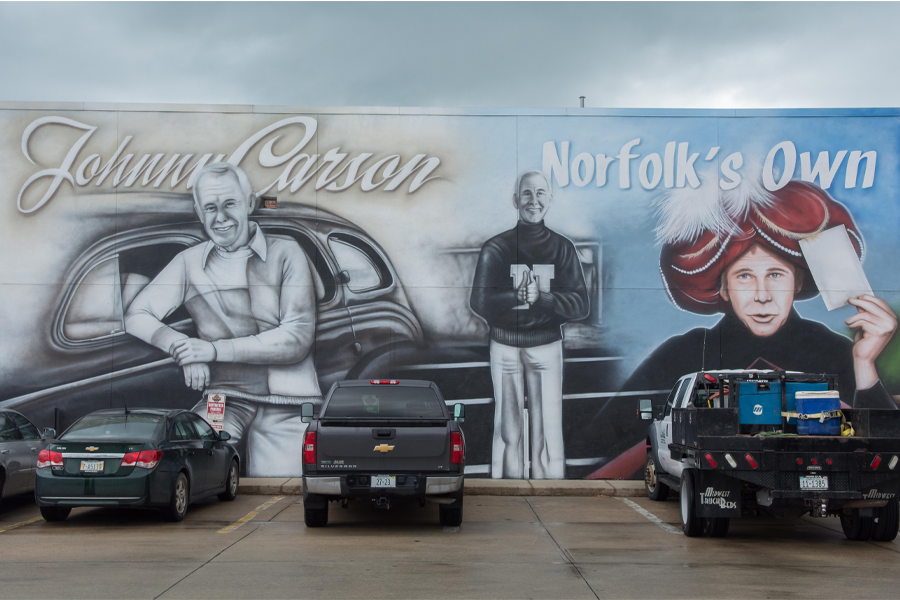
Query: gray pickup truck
pixel 382 440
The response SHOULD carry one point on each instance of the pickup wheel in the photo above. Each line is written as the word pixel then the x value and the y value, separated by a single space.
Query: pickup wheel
pixel 691 524
pixel 315 517
pixel 855 527
pixel 656 490
pixel 717 526
pixel 887 523
pixel 451 516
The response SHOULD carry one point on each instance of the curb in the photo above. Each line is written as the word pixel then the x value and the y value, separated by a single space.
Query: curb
pixel 481 487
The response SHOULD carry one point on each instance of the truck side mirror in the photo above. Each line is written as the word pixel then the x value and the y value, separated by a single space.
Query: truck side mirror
pixel 49 432
pixel 306 412
pixel 645 409
pixel 459 412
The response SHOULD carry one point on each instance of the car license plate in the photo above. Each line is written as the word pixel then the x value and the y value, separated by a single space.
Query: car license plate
pixel 92 466
pixel 813 482
pixel 384 481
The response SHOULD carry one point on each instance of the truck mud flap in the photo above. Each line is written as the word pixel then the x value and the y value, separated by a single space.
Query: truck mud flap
pixel 717 494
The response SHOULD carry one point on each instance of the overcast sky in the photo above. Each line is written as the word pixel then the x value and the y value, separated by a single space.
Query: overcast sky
pixel 696 55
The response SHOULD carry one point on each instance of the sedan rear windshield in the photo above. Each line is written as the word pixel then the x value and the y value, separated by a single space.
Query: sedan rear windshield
pixel 116 427
pixel 382 401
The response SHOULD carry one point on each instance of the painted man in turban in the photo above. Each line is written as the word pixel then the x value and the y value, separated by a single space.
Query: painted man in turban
pixel 743 259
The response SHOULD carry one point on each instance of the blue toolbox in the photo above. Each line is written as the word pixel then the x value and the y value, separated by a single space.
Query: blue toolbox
pixel 819 403
pixel 759 403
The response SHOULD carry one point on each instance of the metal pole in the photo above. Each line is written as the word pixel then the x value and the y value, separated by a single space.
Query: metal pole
pixel 582 101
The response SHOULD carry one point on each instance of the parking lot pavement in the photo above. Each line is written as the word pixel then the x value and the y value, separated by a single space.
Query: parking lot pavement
pixel 507 547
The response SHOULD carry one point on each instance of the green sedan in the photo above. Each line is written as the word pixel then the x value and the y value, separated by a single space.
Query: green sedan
pixel 165 459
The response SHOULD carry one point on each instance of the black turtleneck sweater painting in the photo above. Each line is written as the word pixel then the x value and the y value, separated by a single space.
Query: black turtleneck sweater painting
pixel 553 260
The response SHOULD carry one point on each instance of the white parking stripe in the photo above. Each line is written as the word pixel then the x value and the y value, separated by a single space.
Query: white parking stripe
pixel 651 517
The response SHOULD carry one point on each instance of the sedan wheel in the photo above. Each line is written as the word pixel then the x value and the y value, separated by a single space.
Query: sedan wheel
pixel 178 503
pixel 231 483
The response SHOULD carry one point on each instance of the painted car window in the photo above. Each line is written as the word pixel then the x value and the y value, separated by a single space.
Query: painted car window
pixel 130 427
pixel 98 305
pixel 359 264
pixel 183 430
pixel 29 431
pixel 8 429
pixel 207 434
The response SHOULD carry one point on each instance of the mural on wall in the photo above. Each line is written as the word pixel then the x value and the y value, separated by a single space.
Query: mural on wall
pixel 546 271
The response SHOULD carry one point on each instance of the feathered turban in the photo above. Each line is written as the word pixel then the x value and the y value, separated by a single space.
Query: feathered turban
pixel 703 231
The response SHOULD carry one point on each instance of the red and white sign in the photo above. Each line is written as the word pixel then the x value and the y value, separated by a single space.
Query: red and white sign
pixel 215 410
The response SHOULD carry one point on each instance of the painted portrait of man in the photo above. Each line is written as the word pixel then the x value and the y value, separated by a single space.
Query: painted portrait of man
pixel 743 260
pixel 528 283
pixel 252 299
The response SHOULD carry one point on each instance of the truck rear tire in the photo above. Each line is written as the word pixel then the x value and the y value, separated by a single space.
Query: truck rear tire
pixel 451 516
pixel 656 490
pixel 857 528
pixel 315 517
pixel 717 526
pixel 888 522
pixel 691 524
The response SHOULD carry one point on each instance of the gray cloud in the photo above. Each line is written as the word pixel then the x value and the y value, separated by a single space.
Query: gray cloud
pixel 407 54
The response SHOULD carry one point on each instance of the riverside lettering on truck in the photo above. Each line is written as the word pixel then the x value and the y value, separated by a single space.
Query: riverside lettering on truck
pixel 739 443
pixel 382 440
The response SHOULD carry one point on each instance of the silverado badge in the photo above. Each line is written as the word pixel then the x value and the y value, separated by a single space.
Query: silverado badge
pixel 383 448
pixel 91 448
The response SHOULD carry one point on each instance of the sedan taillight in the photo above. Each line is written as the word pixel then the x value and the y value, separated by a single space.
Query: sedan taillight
pixel 457 448
pixel 146 459
pixel 309 448
pixel 46 458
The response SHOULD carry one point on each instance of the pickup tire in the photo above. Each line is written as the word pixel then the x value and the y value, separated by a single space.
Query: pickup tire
pixel 717 526
pixel 857 528
pixel 315 517
pixel 888 522
pixel 656 490
pixel 451 516
pixel 691 524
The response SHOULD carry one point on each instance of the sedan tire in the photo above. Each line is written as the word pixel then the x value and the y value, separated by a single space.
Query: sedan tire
pixel 178 505
pixel 55 514
pixel 231 483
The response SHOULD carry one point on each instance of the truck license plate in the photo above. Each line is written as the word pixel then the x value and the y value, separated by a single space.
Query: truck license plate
pixel 813 482
pixel 92 466
pixel 384 481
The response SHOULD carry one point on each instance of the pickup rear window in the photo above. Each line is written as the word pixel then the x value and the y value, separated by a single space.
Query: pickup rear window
pixel 381 401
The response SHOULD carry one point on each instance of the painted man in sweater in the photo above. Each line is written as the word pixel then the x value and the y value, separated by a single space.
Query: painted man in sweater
pixel 528 283
pixel 252 300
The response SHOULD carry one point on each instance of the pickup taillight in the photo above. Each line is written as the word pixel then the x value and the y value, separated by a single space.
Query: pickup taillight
pixel 457 449
pixel 309 448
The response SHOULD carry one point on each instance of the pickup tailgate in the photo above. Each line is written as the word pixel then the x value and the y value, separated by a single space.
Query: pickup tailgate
pixel 388 447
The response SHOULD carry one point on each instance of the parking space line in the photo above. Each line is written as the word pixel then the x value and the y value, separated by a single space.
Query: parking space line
pixel 8 527
pixel 651 517
pixel 250 515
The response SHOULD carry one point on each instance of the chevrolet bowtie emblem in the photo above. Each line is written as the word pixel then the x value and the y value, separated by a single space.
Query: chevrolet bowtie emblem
pixel 91 448
pixel 384 448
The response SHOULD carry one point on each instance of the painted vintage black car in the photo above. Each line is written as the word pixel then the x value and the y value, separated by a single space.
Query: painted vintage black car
pixel 135 458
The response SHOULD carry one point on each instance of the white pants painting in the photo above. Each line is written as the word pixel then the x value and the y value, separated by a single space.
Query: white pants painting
pixel 268 437
pixel 536 372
